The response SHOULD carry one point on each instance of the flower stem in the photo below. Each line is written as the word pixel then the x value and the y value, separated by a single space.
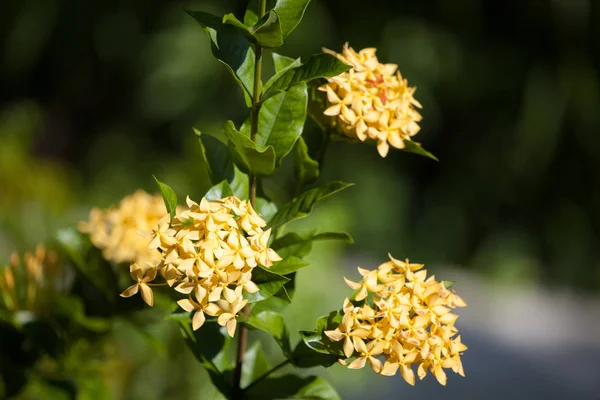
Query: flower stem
pixel 237 392
pixel 266 374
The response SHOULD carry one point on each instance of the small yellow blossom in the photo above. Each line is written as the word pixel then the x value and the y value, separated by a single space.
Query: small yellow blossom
pixel 122 232
pixel 207 252
pixel 29 282
pixel 372 100
pixel 401 317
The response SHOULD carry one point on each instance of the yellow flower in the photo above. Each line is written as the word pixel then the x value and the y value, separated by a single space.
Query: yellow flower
pixel 401 317
pixel 142 277
pixel 372 100
pixel 28 283
pixel 122 232
pixel 208 252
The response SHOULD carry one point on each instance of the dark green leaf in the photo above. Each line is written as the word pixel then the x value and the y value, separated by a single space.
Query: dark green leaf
pixel 169 197
pixel 245 153
pixel 90 265
pixel 268 282
pixel 219 191
pixel 305 357
pixel 255 364
pixel 272 323
pixel 71 308
pixel 251 16
pixel 413 147
pixel 266 32
pixel 220 166
pixel 231 48
pixel 206 344
pixel 288 265
pixel 306 169
pixel 282 65
pixel 318 341
pixel 303 205
pixel 318 66
pixel 290 14
pixel 293 387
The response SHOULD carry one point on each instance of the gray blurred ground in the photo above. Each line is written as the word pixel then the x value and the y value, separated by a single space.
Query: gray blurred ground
pixel 524 343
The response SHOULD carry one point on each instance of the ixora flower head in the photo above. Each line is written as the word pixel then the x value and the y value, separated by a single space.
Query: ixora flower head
pixel 29 282
pixel 207 253
pixel 372 100
pixel 403 317
pixel 122 232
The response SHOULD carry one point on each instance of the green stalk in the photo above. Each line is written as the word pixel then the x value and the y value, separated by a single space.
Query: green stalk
pixel 237 392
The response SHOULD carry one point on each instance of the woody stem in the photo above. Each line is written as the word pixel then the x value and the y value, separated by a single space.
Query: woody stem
pixel 237 392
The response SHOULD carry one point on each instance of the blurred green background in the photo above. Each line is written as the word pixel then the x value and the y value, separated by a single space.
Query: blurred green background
pixel 96 96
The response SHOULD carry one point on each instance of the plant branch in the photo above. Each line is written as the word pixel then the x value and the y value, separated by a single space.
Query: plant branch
pixel 266 374
pixel 237 392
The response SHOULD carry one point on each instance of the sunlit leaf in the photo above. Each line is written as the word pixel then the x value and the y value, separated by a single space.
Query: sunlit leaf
pixel 268 283
pixel 290 14
pixel 288 265
pixel 317 66
pixel 219 191
pixel 169 197
pixel 413 147
pixel 245 153
pixel 272 323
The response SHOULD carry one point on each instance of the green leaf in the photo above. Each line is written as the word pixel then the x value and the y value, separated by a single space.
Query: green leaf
pixel 317 66
pixel 255 364
pixel 266 32
pixel 306 169
pixel 318 341
pixel 448 284
pixel 71 308
pixel 288 265
pixel 206 344
pixel 303 205
pixel 169 197
pixel 268 283
pixel 290 14
pixel 305 357
pixel 245 153
pixel 293 244
pixel 231 48
pixel 293 387
pixel 414 147
pixel 272 323
pixel 90 265
pixel 282 65
pixel 251 16
pixel 220 166
pixel 281 121
pixel 219 191
pixel 265 208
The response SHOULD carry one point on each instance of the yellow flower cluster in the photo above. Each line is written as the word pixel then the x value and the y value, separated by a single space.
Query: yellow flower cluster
pixel 405 320
pixel 122 232
pixel 208 253
pixel 372 100
pixel 28 283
